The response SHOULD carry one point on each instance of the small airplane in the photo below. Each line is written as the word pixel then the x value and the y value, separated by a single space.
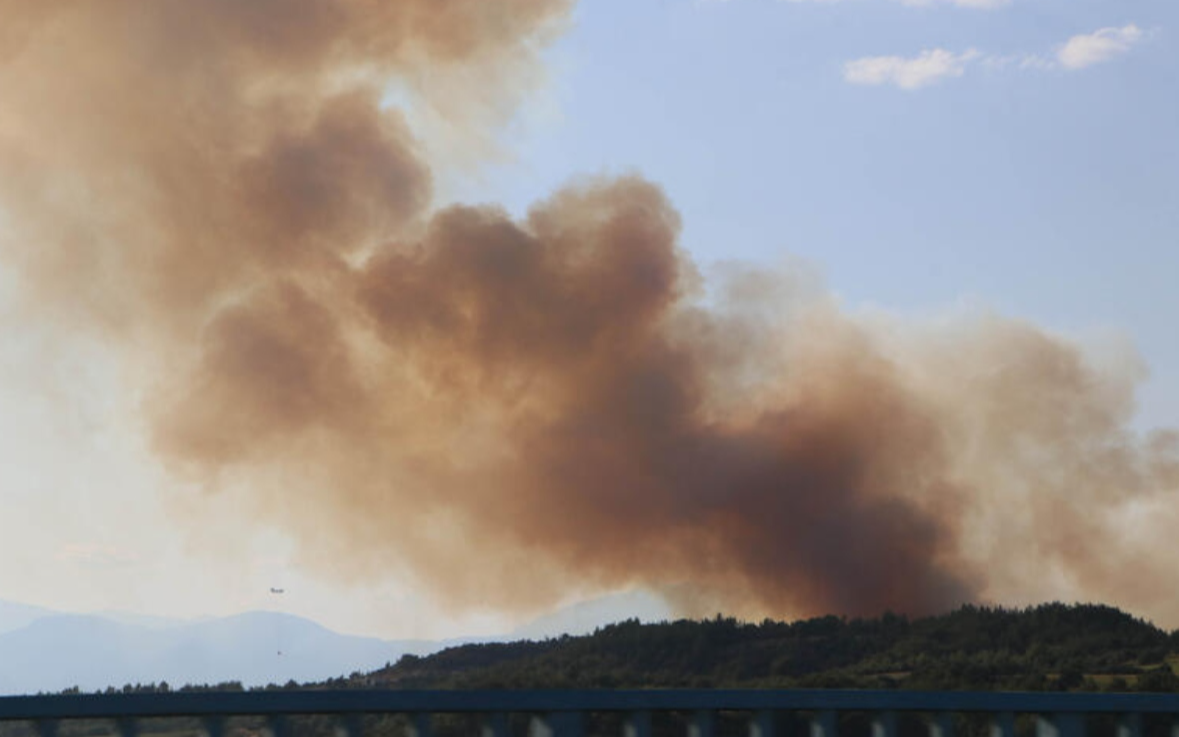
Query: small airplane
pixel 276 591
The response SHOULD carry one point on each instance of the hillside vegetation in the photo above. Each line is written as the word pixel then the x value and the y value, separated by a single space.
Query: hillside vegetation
pixel 1048 647
pixel 1053 646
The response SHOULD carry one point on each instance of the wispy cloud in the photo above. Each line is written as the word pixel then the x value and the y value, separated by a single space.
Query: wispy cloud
pixel 985 4
pixel 928 67
pixel 1102 45
pixel 934 65
pixel 960 3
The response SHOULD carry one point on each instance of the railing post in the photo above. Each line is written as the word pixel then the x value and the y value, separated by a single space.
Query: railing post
pixel 349 725
pixel 557 724
pixel 279 725
pixel 494 724
pixel 826 724
pixel 1003 724
pixel 570 723
pixel 637 724
pixel 1129 725
pixel 1068 724
pixel 213 726
pixel 128 727
pixel 46 727
pixel 884 724
pixel 762 724
pixel 420 724
pixel 701 724
pixel 941 724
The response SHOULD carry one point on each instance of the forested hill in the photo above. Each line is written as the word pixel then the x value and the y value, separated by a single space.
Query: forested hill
pixel 1053 646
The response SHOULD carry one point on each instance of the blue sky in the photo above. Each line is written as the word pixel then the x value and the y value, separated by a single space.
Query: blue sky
pixel 1040 191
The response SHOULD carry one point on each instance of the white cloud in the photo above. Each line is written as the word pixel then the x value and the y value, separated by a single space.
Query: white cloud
pixel 986 4
pixel 934 65
pixel 928 67
pixel 959 3
pixel 1086 50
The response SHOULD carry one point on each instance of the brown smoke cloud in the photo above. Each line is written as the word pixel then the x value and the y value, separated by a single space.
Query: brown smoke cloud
pixel 513 410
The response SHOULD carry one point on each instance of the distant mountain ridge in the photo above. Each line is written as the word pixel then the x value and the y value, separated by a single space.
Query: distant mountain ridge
pixel 13 616
pixel 583 617
pixel 46 651
pixel 42 650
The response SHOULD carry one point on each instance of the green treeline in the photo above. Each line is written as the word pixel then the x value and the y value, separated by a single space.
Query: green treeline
pixel 1048 647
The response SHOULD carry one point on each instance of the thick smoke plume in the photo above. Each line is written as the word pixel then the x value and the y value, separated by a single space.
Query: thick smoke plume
pixel 514 410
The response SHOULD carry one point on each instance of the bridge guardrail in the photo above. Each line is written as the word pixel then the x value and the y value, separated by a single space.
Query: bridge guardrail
pixel 562 713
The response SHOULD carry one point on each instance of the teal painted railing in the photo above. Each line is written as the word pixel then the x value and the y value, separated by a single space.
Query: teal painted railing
pixel 564 713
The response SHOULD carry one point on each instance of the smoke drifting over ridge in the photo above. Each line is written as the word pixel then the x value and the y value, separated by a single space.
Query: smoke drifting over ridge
pixel 513 410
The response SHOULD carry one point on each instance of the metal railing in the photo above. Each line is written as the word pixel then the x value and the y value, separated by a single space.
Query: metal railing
pixel 564 713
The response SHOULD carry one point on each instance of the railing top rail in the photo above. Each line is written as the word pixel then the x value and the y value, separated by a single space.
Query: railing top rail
pixel 271 703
